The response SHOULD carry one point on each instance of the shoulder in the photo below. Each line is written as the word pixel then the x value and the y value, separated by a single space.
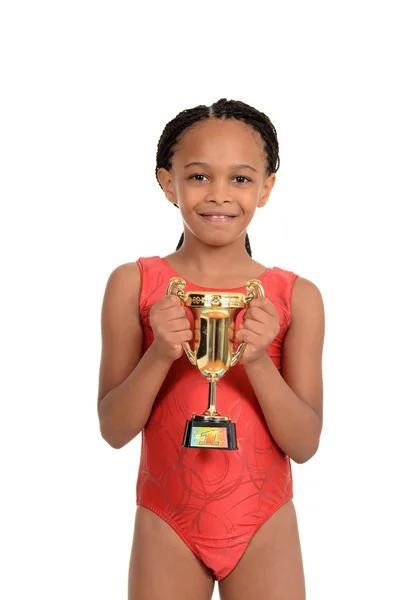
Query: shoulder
pixel 125 275
pixel 130 273
pixel 123 287
pixel 306 299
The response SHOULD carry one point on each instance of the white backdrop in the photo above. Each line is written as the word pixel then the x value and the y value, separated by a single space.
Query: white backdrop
pixel 87 88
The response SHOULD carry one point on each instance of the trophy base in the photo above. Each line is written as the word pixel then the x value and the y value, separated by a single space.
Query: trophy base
pixel 211 433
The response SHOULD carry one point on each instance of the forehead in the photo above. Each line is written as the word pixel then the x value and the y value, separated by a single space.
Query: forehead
pixel 214 140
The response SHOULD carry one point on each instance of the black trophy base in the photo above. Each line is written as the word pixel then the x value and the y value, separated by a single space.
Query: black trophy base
pixel 210 434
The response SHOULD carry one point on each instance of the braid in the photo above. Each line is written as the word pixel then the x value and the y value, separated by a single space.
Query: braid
pixel 169 137
pixel 233 109
pixel 228 109
pixel 180 241
pixel 247 244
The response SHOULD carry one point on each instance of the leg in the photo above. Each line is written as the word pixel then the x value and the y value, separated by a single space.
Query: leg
pixel 162 566
pixel 271 567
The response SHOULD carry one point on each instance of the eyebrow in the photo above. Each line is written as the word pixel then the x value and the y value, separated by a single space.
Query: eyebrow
pixel 203 164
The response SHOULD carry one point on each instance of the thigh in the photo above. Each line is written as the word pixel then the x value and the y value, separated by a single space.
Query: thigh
pixel 162 566
pixel 271 568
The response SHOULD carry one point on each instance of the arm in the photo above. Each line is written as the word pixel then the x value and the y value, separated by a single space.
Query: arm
pixel 292 402
pixel 128 382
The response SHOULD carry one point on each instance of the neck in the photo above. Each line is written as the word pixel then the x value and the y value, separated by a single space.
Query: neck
pixel 213 259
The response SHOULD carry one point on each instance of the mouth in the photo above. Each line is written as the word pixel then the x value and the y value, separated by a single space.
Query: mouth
pixel 218 217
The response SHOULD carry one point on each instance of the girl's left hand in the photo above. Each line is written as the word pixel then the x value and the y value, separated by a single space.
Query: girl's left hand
pixel 259 328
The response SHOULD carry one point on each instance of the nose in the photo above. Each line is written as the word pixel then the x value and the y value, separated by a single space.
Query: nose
pixel 218 192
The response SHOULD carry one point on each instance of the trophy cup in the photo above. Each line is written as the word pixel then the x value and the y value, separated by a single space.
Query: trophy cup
pixel 214 329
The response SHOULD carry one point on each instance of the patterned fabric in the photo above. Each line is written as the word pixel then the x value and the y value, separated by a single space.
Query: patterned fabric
pixel 214 499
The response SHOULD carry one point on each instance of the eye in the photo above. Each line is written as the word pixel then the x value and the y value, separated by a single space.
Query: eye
pixel 242 179
pixel 197 177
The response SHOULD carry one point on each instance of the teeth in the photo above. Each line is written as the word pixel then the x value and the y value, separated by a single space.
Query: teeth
pixel 218 216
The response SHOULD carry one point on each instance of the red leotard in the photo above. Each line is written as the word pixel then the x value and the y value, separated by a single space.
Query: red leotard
pixel 214 500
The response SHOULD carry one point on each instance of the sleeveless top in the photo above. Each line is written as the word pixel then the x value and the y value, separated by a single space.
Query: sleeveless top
pixel 188 484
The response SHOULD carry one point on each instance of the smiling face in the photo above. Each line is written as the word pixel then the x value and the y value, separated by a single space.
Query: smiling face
pixel 218 178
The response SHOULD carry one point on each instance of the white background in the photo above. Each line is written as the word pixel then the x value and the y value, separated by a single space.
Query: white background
pixel 87 88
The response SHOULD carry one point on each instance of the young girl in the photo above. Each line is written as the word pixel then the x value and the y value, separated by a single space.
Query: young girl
pixel 206 515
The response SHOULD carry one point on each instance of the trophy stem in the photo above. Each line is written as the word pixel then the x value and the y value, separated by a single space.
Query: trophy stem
pixel 212 408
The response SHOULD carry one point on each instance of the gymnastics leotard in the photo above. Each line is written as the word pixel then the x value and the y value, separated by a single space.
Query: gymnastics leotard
pixel 214 499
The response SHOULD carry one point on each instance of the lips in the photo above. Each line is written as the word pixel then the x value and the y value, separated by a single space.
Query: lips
pixel 218 215
pixel 218 219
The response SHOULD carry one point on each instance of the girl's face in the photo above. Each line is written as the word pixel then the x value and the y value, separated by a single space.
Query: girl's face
pixel 218 179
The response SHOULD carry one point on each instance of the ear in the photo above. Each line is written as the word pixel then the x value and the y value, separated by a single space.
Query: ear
pixel 266 190
pixel 165 178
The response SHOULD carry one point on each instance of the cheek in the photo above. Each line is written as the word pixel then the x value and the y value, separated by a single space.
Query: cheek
pixel 249 201
pixel 188 194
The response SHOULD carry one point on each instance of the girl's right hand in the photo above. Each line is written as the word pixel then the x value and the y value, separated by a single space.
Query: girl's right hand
pixel 171 327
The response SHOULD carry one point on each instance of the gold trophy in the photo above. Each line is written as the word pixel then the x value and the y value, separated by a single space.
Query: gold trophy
pixel 214 329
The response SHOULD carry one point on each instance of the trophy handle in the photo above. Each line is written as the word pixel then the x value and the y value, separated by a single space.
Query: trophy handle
pixel 251 286
pixel 176 288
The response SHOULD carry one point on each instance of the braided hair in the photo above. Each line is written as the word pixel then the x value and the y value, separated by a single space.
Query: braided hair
pixel 228 109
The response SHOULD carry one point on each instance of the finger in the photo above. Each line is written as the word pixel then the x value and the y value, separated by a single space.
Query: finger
pixel 254 326
pixel 257 314
pixel 251 337
pixel 174 312
pixel 179 337
pixel 265 304
pixel 160 323
pixel 179 325
pixel 260 302
pixel 168 301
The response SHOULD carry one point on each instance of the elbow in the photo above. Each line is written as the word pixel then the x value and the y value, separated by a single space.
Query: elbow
pixel 112 432
pixel 113 439
pixel 116 444
pixel 310 445
pixel 301 459
pixel 305 454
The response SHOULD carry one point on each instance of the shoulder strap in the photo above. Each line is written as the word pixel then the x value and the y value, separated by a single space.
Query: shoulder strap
pixel 154 282
pixel 281 284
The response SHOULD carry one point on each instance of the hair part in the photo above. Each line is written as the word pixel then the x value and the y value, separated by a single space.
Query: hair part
pixel 223 109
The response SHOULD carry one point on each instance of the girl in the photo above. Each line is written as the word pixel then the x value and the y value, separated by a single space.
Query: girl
pixel 206 515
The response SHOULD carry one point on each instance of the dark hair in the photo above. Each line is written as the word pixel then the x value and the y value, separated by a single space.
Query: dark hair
pixel 228 109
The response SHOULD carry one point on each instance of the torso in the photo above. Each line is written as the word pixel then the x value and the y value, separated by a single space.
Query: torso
pixel 195 490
